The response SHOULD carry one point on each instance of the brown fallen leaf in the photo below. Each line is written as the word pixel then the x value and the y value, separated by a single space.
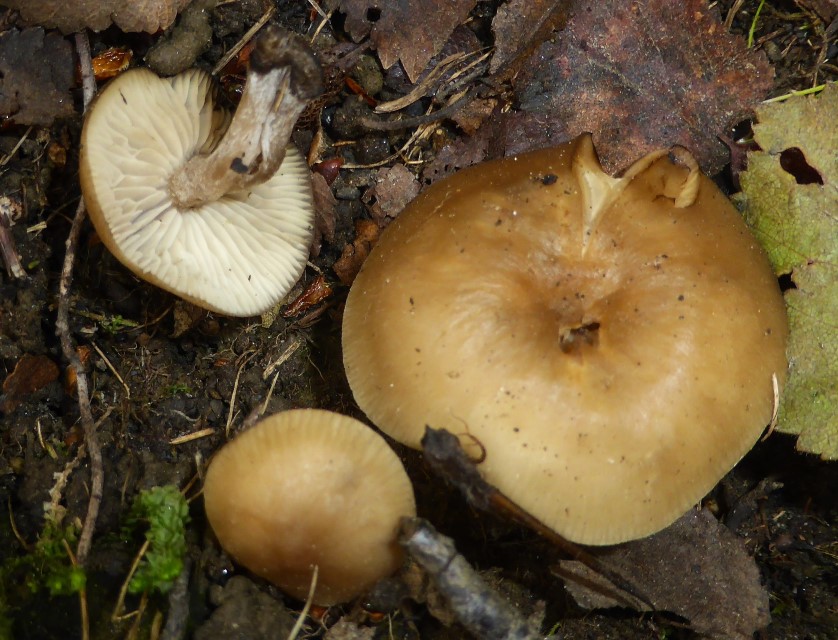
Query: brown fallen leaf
pixel 696 568
pixel 412 31
pixel 520 26
pixel 394 187
pixel 128 15
pixel 31 374
pixel 325 212
pixel 640 76
pixel 36 73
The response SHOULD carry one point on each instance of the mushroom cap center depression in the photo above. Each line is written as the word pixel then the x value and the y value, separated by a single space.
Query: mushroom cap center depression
pixel 614 367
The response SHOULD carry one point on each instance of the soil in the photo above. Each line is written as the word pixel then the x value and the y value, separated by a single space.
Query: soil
pixel 159 370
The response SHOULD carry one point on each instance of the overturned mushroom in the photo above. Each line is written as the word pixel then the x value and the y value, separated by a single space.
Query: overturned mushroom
pixel 610 343
pixel 308 488
pixel 216 211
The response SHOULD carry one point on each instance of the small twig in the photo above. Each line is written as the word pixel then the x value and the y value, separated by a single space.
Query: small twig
pixel 247 37
pixel 191 437
pixel 26 546
pixel 178 617
pixel 418 121
pixel 477 606
pixel 230 413
pixel 118 614
pixel 62 329
pixel 296 343
pixel 731 14
pixel 11 153
pixel 270 393
pixel 447 458
pixel 112 368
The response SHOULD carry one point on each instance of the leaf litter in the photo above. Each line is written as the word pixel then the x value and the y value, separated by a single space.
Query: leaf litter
pixel 553 62
pixel 790 199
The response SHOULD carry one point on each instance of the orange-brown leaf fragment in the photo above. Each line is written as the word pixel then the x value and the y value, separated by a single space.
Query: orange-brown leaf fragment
pixel 31 373
pixel 349 264
pixel 412 31
pixel 639 76
pixel 316 292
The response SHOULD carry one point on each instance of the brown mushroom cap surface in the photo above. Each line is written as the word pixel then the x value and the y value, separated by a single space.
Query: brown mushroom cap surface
pixel 310 487
pixel 610 342
pixel 238 255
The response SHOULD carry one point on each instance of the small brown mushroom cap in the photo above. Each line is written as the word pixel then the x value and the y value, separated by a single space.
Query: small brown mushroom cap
pixel 310 487
pixel 237 255
pixel 610 342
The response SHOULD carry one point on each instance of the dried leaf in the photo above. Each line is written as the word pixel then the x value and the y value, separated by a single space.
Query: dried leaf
pixel 640 76
pixel 790 199
pixel 128 15
pixel 521 25
pixel 394 187
pixel 397 33
pixel 31 373
pixel 36 73
pixel 325 213
pixel 696 568
pixel 349 264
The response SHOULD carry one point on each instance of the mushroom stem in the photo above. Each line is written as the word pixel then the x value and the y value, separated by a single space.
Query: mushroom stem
pixel 282 77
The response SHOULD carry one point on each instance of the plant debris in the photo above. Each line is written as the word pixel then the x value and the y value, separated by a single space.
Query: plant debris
pixel 36 73
pixel 790 199
pixel 640 77
pixel 696 568
pixel 398 35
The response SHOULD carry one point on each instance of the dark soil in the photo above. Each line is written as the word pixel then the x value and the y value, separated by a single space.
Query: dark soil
pixel 149 388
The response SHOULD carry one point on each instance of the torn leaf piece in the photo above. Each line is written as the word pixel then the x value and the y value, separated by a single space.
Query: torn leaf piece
pixel 639 76
pixel 412 31
pixel 696 568
pixel 790 199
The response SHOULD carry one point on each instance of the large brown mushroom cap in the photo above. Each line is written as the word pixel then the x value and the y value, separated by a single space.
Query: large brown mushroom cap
pixel 305 488
pixel 610 347
pixel 237 255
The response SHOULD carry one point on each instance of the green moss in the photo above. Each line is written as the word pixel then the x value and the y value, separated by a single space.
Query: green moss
pixel 165 512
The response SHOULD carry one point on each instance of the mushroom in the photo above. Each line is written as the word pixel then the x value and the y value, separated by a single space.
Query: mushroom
pixel 308 488
pixel 219 212
pixel 612 344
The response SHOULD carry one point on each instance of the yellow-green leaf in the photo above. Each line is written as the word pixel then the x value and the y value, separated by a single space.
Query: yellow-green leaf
pixel 796 219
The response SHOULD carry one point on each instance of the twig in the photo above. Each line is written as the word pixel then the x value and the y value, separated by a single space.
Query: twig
pixel 178 617
pixel 247 37
pixel 477 606
pixel 112 368
pixel 62 329
pixel 448 459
